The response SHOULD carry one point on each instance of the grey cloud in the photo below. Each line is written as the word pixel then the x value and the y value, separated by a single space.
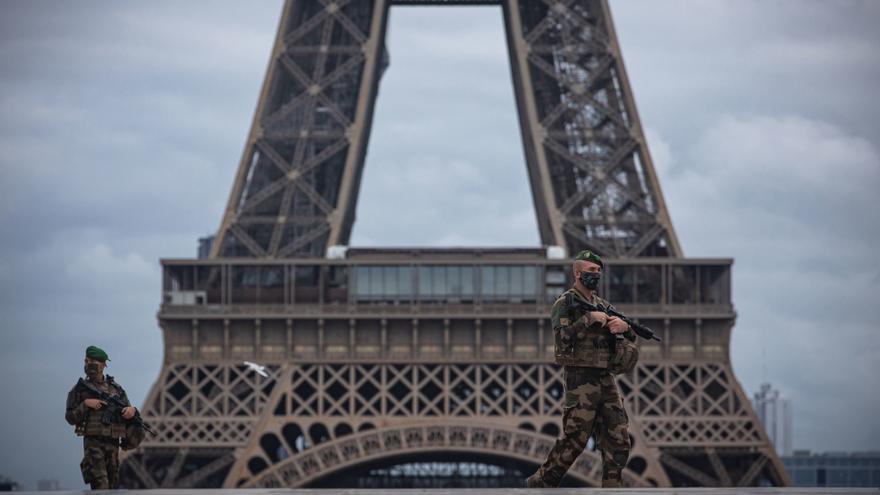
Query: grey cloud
pixel 768 191
pixel 814 59
pixel 106 80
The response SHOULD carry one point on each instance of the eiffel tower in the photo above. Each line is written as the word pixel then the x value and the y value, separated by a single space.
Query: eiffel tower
pixel 434 367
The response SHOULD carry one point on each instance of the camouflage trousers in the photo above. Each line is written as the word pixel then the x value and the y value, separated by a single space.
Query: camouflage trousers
pixel 593 405
pixel 100 464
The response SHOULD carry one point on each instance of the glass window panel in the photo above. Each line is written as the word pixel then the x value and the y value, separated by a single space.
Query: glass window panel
pixel 467 281
pixel 180 278
pixel 530 282
pixel 271 276
pixel 363 282
pixel 244 284
pixel 552 294
pixel 272 284
pixel 556 275
pixel 487 283
pixel 246 276
pixel 516 282
pixel 306 284
pixel 404 282
pixel 648 284
pixel 712 280
pixel 391 288
pixel 502 282
pixel 860 476
pixel 210 281
pixel 838 476
pixel 453 280
pixel 621 284
pixel 684 284
pixel 307 276
pixel 439 281
pixel 425 282
pixel 336 284
pixel 376 282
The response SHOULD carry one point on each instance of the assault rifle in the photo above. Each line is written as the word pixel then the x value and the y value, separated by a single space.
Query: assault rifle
pixel 640 330
pixel 115 404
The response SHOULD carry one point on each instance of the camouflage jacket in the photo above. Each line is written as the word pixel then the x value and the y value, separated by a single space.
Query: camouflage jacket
pixel 578 341
pixel 105 422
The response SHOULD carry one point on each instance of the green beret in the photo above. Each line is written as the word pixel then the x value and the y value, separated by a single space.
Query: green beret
pixel 588 255
pixel 96 353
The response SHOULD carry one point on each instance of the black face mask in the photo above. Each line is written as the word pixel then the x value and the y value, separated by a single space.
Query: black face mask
pixel 590 279
pixel 91 370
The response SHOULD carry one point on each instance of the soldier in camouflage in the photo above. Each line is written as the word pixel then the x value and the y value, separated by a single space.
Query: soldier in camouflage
pixel 101 432
pixel 585 347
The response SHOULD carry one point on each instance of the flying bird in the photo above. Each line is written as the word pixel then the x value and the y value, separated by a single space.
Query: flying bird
pixel 258 368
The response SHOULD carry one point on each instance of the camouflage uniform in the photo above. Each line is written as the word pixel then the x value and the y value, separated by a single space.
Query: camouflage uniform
pixel 593 403
pixel 100 464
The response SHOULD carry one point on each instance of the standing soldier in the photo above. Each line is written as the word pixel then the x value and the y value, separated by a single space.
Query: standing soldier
pixel 101 425
pixel 591 347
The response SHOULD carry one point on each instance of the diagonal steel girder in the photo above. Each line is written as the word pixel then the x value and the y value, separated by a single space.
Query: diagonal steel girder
pixel 323 50
pixel 568 72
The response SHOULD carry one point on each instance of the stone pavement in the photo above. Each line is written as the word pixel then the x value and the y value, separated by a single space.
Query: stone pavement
pixel 499 491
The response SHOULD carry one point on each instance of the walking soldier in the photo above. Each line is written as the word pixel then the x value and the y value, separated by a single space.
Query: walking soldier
pixel 592 347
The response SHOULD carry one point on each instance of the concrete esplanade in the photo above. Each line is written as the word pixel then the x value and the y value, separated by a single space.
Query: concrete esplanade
pixel 506 491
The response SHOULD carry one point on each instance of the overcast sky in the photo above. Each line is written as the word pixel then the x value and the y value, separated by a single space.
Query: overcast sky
pixel 122 123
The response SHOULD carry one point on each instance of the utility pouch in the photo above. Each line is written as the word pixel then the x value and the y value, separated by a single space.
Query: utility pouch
pixel 134 435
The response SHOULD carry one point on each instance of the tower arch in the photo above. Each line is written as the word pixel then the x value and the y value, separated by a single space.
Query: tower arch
pixel 425 442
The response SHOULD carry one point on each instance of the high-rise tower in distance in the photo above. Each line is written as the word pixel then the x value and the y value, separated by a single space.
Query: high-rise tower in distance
pixel 434 367
pixel 775 413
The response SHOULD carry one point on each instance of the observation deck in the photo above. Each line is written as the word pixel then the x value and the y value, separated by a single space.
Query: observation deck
pixel 428 304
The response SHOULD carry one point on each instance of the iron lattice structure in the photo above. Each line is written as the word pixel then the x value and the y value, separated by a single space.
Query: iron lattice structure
pixel 399 364
pixel 592 180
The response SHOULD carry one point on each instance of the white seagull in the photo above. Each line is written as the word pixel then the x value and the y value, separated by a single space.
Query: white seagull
pixel 258 368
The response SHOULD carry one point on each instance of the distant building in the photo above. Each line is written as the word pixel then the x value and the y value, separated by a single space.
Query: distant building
pixel 205 244
pixel 775 413
pixel 834 469
pixel 7 485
